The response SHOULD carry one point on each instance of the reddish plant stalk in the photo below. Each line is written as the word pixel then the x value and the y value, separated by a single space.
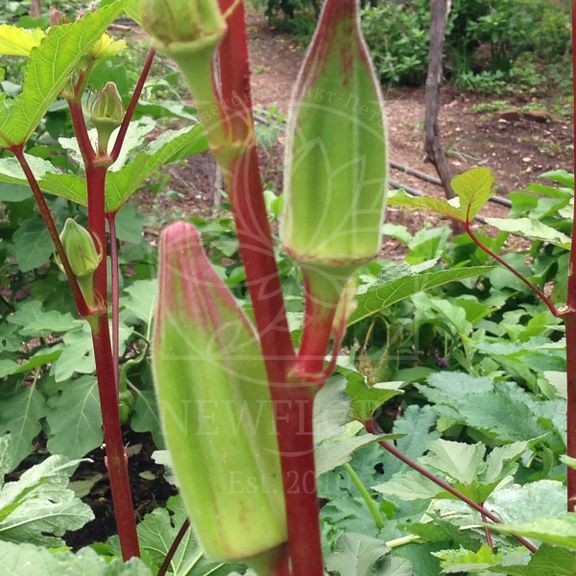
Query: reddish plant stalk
pixel 503 262
pixel 132 105
pixel 570 317
pixel 173 548
pixel 489 541
pixel 81 131
pixel 116 459
pixel 83 308
pixel 445 486
pixel 293 402
pixel 316 334
pixel 115 281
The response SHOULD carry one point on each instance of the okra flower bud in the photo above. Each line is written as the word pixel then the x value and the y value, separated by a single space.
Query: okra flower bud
pixel 107 113
pixel 336 154
pixel 176 23
pixel 215 405
pixel 83 255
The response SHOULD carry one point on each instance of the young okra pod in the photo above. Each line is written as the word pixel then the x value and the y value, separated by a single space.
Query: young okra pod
pixel 336 154
pixel 215 405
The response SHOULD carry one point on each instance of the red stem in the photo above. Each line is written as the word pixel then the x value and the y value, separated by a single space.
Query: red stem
pixel 570 320
pixel 489 541
pixel 293 403
pixel 79 124
pixel 445 486
pixel 115 281
pixel 570 317
pixel 503 262
pixel 83 308
pixel 132 105
pixel 173 548
pixel 116 460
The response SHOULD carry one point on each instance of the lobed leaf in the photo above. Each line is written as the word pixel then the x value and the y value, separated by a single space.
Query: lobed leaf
pixel 29 560
pixel 532 229
pixel 48 70
pixel 379 297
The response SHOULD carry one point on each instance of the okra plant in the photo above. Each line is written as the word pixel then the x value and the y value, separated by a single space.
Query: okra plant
pixel 236 397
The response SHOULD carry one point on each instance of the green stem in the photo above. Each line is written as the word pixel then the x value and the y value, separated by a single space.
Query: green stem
pixel 403 541
pixel 370 502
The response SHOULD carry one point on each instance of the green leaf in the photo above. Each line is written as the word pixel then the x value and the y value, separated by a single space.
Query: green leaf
pixel 6 460
pixel 16 41
pixel 460 461
pixel 77 356
pixel 20 414
pixel 532 229
pixel 33 245
pixel 145 416
pixel 515 503
pixel 360 555
pixel 500 410
pixel 157 532
pixel 39 507
pixel 379 297
pixel 140 298
pixel 462 560
pixel 560 177
pixel 168 148
pixel 555 530
pixel 48 70
pixel 14 193
pixel 34 321
pixel 335 436
pixel 74 419
pixel 367 399
pixel 129 224
pixel 29 560
pixel 429 203
pixel 409 486
pixel 474 189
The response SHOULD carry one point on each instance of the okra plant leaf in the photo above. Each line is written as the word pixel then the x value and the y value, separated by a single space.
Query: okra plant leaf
pixel 335 436
pixel 523 503
pixel 171 147
pixel 462 462
pixel 156 534
pixel 39 507
pixel 168 148
pixel 74 419
pixel 473 190
pixel 30 560
pixel 20 414
pixel 429 203
pixel 380 296
pixel 532 229
pixel 5 457
pixel 32 320
pixel 547 560
pixel 48 70
pixel 557 530
pixel 360 555
pixel 367 399
pixel 32 245
pixel 16 41
pixel 462 560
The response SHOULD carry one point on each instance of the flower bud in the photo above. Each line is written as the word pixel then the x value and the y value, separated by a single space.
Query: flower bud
pixel 107 113
pixel 83 255
pixel 215 405
pixel 178 22
pixel 336 154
